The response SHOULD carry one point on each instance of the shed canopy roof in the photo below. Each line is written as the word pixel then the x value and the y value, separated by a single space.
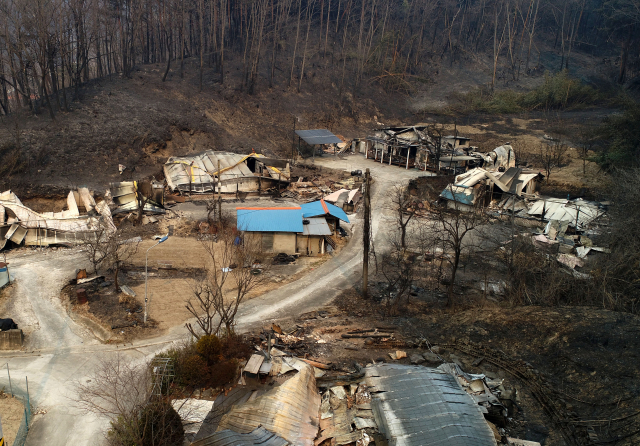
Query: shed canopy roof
pixel 270 219
pixel 423 406
pixel 318 136
pixel 320 207
pixel 316 226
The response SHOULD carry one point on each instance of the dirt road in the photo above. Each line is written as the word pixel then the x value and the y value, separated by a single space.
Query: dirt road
pixel 62 353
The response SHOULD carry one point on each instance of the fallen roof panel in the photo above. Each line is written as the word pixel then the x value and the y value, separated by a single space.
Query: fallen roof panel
pixel 318 136
pixel 290 411
pixel 422 406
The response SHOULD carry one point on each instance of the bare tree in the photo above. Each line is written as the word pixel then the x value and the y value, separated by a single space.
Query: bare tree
pixel 451 227
pixel 436 132
pixel 404 206
pixel 552 155
pixel 398 269
pixel 94 248
pixel 229 277
pixel 119 247
pixel 121 391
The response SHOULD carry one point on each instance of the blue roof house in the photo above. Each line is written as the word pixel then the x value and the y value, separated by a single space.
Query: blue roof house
pixel 290 230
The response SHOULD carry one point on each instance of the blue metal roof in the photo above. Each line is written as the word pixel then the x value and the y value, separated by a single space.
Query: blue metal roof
pixel 270 219
pixel 315 209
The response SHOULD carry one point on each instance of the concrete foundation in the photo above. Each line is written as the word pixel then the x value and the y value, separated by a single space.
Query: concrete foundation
pixel 11 339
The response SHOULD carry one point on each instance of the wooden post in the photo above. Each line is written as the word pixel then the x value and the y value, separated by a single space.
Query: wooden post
pixel 366 234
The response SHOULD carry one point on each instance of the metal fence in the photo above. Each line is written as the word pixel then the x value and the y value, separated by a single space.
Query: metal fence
pixel 23 431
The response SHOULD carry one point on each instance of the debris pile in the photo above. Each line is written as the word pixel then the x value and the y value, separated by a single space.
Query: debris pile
pixel 20 224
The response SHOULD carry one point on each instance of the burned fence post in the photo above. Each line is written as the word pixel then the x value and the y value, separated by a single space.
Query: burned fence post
pixel 366 233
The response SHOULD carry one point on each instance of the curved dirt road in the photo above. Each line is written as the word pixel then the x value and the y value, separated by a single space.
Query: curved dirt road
pixel 62 352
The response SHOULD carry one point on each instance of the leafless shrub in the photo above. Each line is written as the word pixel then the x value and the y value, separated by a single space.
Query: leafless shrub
pixel 230 275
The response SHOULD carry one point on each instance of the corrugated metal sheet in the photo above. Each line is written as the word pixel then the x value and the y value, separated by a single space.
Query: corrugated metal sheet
pixel 290 411
pixel 316 226
pixel 254 363
pixel 258 437
pixel 567 211
pixel 269 220
pixel 318 136
pixel 422 406
pixel 317 208
pixel 459 194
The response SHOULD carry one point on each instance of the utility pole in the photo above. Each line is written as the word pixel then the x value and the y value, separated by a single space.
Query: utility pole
pixel 366 234
pixel 219 195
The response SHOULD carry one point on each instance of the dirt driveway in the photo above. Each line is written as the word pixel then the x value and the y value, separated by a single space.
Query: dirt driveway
pixel 64 353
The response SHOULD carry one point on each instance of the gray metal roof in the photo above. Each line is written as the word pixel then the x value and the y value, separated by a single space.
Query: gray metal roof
pixel 422 406
pixel 316 226
pixel 318 136
pixel 259 436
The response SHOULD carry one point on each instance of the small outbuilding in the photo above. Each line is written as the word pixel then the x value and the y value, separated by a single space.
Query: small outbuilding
pixel 276 229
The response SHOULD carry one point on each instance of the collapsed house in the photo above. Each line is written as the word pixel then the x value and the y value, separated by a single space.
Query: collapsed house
pixel 19 224
pixel 133 196
pixel 402 405
pixel 479 187
pixel 234 173
pixel 412 147
pixel 305 229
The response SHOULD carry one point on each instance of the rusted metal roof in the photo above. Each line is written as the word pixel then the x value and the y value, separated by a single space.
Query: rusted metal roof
pixel 290 411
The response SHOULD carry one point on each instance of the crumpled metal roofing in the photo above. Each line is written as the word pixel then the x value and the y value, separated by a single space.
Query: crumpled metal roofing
pixel 422 406
pixel 196 173
pixel 258 437
pixel 320 207
pixel 270 219
pixel 290 411
pixel 318 136
pixel 316 226
pixel 567 210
